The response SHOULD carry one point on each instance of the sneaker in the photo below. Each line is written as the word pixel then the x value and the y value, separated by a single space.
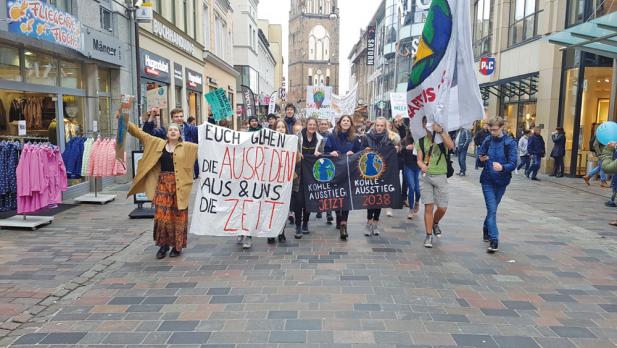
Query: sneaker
pixel 485 236
pixel 493 247
pixel 298 234
pixel 516 171
pixel 610 204
pixel 271 240
pixel 586 179
pixel 369 230
pixel 535 179
pixel 239 239
pixel 389 212
pixel 343 232
pixel 318 215
pixel 291 220
pixel 428 241
pixel 248 243
pixel 604 184
pixel 411 215
pixel 174 253
pixel 376 230
pixel 282 238
pixel 437 230
pixel 305 229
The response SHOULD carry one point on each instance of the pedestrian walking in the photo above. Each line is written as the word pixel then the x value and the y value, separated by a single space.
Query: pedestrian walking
pixel 479 137
pixel 342 142
pixel 433 162
pixel 379 138
pixel 412 174
pixel 597 149
pixel 536 148
pixel 165 175
pixel 609 165
pixel 400 128
pixel 522 152
pixel 559 151
pixel 462 142
pixel 324 131
pixel 308 144
pixel 498 157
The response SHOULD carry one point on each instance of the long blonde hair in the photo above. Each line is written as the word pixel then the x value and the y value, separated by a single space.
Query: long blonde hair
pixel 392 135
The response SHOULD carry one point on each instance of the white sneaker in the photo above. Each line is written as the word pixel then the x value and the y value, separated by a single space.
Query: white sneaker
pixel 369 230
pixel 411 215
pixel 376 230
pixel 247 243
pixel 389 212
pixel 239 239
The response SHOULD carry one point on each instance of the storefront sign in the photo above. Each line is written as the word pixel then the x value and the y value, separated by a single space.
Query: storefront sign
pixel 154 66
pixel 104 47
pixel 231 203
pixel 219 104
pixel 40 20
pixel 194 80
pixel 487 65
pixel 178 76
pixel 370 45
pixel 172 36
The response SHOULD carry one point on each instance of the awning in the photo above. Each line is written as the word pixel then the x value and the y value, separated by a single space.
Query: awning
pixel 598 36
pixel 516 86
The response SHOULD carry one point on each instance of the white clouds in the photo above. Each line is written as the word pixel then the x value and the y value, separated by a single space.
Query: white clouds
pixel 354 16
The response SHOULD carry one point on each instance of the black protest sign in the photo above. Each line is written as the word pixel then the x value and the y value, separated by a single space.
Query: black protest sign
pixel 365 180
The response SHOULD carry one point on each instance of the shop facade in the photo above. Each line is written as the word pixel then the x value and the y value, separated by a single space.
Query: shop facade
pixel 171 70
pixel 63 87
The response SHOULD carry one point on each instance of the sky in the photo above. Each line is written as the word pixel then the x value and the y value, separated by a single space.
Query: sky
pixel 355 15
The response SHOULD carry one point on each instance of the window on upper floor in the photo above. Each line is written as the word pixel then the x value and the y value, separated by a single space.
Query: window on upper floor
pixel 251 35
pixel 158 6
pixel 106 19
pixel 582 10
pixel 319 44
pixel 482 27
pixel 523 21
pixel 185 16
pixel 64 5
pixel 206 28
pixel 195 19
pixel 310 76
pixel 220 33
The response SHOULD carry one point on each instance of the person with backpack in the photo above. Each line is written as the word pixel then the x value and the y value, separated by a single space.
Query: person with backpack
pixel 436 166
pixel 498 156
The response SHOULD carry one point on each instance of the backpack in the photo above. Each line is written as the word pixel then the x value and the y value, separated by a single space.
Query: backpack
pixel 444 153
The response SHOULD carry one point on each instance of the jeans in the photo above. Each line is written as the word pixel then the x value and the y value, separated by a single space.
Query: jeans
pixel 525 161
pixel 536 160
pixel 597 169
pixel 462 159
pixel 412 176
pixel 373 214
pixel 492 198
pixel 558 167
pixel 299 208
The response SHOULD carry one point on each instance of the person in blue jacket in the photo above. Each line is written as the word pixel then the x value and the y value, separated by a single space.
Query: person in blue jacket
pixel 536 148
pixel 343 141
pixel 188 131
pixel 498 157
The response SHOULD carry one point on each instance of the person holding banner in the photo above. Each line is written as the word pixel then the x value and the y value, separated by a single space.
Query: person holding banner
pixel 165 174
pixel 324 131
pixel 377 139
pixel 343 142
pixel 432 160
pixel 309 142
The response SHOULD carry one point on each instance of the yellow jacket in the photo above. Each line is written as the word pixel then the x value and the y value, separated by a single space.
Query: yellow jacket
pixel 149 167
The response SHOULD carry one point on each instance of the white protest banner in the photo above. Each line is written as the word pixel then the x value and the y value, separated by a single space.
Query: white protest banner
pixel 245 182
pixel 442 84
pixel 345 105
pixel 319 102
pixel 398 103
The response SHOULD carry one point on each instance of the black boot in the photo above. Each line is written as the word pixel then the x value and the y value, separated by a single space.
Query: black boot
pixel 343 231
pixel 162 252
pixel 329 218
pixel 282 238
pixel 174 253
pixel 298 234
pixel 271 240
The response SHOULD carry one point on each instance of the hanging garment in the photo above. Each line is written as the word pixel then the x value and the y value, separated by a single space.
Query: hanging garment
pixel 86 156
pixel 16 110
pixel 3 122
pixel 102 159
pixel 9 157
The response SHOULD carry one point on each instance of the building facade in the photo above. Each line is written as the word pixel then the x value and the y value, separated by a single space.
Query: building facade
pixel 218 28
pixel 274 33
pixel 266 70
pixel 172 59
pixel 63 86
pixel 313 47
pixel 245 46
pixel 535 83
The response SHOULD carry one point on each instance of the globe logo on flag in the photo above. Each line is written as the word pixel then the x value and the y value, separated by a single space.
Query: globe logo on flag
pixel 487 65
pixel 324 170
pixel 433 44
pixel 371 165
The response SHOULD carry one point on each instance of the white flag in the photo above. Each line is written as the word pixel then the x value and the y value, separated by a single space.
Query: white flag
pixel 442 84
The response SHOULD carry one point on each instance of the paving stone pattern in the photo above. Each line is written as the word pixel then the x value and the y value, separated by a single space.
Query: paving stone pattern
pixel 553 283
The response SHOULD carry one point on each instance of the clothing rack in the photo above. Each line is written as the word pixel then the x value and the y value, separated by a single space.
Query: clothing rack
pixel 23 221
pixel 95 197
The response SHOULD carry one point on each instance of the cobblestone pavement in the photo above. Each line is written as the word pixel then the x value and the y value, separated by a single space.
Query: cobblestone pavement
pixel 553 283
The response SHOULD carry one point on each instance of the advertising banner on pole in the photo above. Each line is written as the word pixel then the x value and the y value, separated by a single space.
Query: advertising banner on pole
pixel 245 182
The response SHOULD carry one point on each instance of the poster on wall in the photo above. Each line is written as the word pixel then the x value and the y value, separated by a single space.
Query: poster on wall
pixel 40 20
pixel 365 180
pixel 319 102
pixel 245 182
pixel 157 97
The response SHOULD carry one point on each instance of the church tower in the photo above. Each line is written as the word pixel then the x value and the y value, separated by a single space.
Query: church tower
pixel 313 47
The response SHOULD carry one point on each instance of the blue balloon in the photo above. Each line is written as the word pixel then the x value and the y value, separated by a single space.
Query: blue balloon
pixel 607 132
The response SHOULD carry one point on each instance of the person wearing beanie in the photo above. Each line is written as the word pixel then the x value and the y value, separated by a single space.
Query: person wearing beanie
pixel 254 125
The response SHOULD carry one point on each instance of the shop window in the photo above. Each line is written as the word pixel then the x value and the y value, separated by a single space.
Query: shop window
pixel 523 21
pixel 178 97
pixel 70 74
pixel 37 109
pixel 41 69
pixel 193 100
pixel 106 19
pixel 9 63
pixel 104 123
pixel 104 81
pixel 482 27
